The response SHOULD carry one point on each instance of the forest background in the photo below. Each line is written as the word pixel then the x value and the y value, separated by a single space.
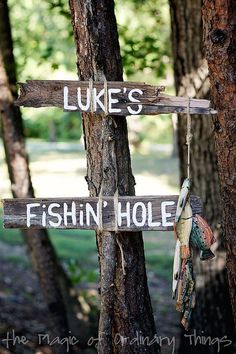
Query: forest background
pixel 47 50
pixel 44 49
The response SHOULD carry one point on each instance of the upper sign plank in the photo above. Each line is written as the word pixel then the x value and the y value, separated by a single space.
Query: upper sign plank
pixel 122 214
pixel 116 98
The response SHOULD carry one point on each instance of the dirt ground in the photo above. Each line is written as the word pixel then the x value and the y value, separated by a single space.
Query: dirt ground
pixel 22 306
pixel 23 311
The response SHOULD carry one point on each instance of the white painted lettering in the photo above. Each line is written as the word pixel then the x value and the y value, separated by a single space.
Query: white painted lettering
pixel 55 215
pixel 96 99
pixel 66 104
pixel 150 222
pixel 28 212
pixel 83 107
pixel 113 100
pixel 166 215
pixel 71 213
pixel 81 215
pixel 132 99
pixel 90 211
pixel 44 218
pixel 143 214
pixel 125 214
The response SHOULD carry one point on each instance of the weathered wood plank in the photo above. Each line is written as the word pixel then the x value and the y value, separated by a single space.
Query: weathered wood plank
pixel 120 98
pixel 124 214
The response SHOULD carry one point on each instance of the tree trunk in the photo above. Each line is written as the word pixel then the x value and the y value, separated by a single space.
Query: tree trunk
pixel 191 79
pixel 220 41
pixel 125 303
pixel 52 278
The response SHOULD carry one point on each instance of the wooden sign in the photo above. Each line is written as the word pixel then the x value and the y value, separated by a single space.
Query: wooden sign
pixel 116 98
pixel 108 213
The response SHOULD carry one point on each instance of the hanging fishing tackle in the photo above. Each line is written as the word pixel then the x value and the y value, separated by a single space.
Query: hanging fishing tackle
pixel 191 231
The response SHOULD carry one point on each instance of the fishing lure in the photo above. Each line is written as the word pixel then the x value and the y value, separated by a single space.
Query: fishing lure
pixel 190 297
pixel 190 232
pixel 176 268
pixel 183 198
pixel 183 229
pixel 202 237
pixel 186 292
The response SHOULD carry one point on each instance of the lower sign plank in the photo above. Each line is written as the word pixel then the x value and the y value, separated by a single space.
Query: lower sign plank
pixel 122 214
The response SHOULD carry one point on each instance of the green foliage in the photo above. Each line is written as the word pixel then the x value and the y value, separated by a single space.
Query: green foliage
pixel 77 250
pixel 157 128
pixel 144 36
pixel 53 125
pixel 12 237
pixel 160 265
pixel 43 37
pixel 79 275
pixel 44 49
pixel 43 40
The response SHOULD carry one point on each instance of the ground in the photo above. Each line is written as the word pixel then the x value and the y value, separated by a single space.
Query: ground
pixel 22 305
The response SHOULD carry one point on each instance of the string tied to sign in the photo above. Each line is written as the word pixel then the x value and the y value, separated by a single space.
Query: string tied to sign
pixel 183 277
pixel 100 226
pixel 100 206
pixel 116 200
pixel 91 93
pixel 105 96
pixel 188 138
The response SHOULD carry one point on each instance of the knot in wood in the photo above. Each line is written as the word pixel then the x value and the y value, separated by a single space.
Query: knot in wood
pixel 218 127
pixel 218 36
pixel 106 169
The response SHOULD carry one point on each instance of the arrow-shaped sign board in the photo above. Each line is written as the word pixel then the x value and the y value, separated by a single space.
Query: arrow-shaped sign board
pixel 107 213
pixel 116 98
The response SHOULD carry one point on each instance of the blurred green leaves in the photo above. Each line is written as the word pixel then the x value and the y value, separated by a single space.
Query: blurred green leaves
pixel 144 32
pixel 53 124
pixel 44 49
pixel 77 274
pixel 43 40
pixel 43 36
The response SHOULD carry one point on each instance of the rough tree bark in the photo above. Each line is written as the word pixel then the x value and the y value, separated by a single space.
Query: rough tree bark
pixel 125 303
pixel 220 42
pixel 53 280
pixel 191 79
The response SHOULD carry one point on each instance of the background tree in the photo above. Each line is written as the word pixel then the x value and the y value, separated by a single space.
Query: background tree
pixel 125 302
pixel 191 79
pixel 220 48
pixel 54 282
pixel 39 53
pixel 143 28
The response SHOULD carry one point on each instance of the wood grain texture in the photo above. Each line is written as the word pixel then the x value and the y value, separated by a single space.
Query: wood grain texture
pixel 61 307
pixel 220 47
pixel 192 78
pixel 46 93
pixel 128 214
